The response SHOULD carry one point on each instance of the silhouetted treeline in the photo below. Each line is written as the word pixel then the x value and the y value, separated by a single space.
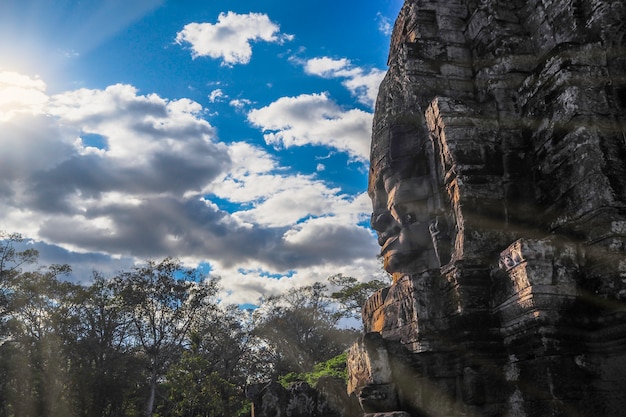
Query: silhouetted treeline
pixel 152 341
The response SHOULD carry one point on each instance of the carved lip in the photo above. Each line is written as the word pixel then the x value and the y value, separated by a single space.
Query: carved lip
pixel 390 241
pixel 383 237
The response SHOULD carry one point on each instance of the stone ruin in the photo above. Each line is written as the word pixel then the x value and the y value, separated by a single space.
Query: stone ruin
pixel 327 399
pixel 498 182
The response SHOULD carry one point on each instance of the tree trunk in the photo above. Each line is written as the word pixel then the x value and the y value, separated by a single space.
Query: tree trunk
pixel 153 384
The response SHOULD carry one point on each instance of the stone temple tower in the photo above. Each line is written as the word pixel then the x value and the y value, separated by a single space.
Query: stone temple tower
pixel 498 183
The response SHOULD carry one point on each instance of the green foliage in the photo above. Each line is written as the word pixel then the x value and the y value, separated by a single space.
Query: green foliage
pixel 154 340
pixel 334 367
pixel 104 364
pixel 12 260
pixel 192 390
pixel 33 370
pixel 301 329
pixel 352 294
pixel 162 308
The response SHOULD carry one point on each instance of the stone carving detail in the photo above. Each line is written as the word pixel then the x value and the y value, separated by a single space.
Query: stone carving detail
pixel 511 257
pixel 407 207
pixel 498 184
pixel 327 399
pixel 371 379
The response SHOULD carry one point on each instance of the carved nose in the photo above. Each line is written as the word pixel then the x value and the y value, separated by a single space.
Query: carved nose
pixel 381 221
pixel 385 225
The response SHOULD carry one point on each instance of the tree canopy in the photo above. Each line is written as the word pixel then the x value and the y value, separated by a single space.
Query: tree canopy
pixel 155 340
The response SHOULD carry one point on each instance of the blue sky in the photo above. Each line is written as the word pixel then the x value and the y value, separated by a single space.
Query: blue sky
pixel 232 134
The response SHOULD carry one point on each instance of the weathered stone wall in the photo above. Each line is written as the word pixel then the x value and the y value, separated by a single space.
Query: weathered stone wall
pixel 498 179
pixel 327 399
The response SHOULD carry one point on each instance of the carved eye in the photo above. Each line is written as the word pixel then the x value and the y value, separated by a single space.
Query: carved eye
pixel 408 218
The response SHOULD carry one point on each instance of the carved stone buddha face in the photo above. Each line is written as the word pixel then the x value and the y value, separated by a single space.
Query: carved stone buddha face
pixel 401 218
pixel 402 196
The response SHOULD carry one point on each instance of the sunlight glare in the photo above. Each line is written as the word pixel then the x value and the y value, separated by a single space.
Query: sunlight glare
pixel 20 93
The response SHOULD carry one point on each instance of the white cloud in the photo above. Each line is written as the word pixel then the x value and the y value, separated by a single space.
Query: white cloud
pixel 314 119
pixel 270 197
pixel 20 94
pixel 10 79
pixel 361 83
pixel 145 193
pixel 319 227
pixel 240 103
pixel 285 200
pixel 248 160
pixel 323 246
pixel 29 140
pixel 250 285
pixel 385 25
pixel 364 85
pixel 155 149
pixel 139 129
pixel 217 95
pixel 229 39
pixel 315 233
pixel 327 67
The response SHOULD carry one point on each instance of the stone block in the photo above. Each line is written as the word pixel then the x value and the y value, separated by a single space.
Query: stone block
pixel 456 71
pixel 452 36
pixel 426 50
pixel 458 54
pixel 450 22
pixel 456 9
pixel 463 88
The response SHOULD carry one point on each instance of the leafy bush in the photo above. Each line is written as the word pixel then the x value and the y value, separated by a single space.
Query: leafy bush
pixel 334 367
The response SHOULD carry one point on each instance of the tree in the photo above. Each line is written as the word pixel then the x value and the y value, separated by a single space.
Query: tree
pixel 223 336
pixel 352 294
pixel 194 389
pixel 11 261
pixel 34 371
pixel 300 326
pixel 103 368
pixel 163 299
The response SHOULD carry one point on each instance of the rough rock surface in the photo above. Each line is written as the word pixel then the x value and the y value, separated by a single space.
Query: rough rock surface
pixel 498 181
pixel 327 399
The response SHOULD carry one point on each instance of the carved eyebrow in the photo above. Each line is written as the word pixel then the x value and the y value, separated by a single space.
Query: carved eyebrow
pixel 406 191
